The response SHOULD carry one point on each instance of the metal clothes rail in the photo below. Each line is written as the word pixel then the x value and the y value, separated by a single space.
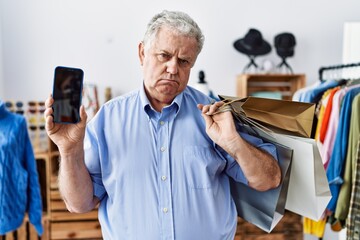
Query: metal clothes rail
pixel 339 72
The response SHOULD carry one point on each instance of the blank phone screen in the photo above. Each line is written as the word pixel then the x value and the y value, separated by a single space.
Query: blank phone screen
pixel 67 91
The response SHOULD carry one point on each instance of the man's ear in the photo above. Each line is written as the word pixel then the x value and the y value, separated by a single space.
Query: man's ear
pixel 141 52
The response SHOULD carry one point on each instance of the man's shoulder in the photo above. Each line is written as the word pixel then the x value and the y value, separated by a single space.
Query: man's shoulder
pixel 127 98
pixel 196 95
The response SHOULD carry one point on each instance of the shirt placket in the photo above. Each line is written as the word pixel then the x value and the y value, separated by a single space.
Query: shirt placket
pixel 165 203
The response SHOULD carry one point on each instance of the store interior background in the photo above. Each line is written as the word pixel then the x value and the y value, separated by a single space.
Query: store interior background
pixel 101 37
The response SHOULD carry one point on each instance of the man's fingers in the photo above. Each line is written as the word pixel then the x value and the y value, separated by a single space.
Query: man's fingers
pixel 49 101
pixel 83 115
pixel 211 109
pixel 49 123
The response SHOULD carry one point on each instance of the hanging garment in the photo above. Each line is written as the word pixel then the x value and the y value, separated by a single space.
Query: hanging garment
pixel 327 112
pixel 353 220
pixel 298 93
pixel 316 228
pixel 19 183
pixel 328 144
pixel 335 170
pixel 320 111
pixel 314 94
pixel 343 203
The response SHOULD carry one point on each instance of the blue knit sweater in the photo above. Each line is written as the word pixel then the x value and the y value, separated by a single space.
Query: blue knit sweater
pixel 19 182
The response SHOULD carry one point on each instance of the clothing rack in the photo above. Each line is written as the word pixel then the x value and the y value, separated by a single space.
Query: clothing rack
pixel 339 72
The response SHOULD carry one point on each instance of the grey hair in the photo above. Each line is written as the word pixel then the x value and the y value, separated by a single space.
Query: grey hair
pixel 178 21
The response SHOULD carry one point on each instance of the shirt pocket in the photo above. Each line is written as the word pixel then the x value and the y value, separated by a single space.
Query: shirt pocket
pixel 201 166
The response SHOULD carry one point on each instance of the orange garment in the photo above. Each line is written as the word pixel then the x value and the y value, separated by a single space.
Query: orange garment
pixel 321 111
pixel 326 116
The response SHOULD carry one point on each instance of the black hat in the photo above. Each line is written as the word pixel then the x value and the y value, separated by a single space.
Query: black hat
pixel 252 44
pixel 284 44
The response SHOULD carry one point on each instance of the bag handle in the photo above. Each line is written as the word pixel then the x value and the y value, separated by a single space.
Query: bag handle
pixel 241 117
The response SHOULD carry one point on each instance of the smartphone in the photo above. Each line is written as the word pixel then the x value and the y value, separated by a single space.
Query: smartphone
pixel 67 92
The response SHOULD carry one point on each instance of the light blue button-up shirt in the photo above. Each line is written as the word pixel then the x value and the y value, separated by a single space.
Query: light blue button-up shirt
pixel 159 175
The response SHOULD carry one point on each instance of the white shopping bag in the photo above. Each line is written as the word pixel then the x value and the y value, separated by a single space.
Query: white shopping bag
pixel 308 192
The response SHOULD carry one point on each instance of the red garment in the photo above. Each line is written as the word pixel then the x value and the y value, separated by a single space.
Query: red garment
pixel 325 120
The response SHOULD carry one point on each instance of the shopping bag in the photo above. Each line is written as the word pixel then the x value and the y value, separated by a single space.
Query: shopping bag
pixel 308 192
pixel 264 209
pixel 281 116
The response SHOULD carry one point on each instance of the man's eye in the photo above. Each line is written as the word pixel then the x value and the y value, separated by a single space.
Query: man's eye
pixel 163 56
pixel 183 62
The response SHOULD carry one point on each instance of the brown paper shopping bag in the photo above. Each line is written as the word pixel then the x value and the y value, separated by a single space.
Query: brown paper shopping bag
pixel 282 116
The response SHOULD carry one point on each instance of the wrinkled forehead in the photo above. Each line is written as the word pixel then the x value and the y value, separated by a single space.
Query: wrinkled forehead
pixel 175 42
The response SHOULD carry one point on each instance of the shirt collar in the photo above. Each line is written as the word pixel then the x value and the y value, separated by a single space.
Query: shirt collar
pixel 147 106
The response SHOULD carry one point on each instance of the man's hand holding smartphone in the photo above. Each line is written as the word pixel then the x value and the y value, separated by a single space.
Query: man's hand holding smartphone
pixel 66 128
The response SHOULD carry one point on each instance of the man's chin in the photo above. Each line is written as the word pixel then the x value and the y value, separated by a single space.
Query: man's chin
pixel 167 96
pixel 167 90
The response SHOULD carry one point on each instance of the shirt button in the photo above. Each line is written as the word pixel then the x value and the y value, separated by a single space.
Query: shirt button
pixel 163 178
pixel 163 149
pixel 165 210
pixel 162 122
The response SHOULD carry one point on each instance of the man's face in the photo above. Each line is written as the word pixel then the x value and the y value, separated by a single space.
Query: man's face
pixel 166 65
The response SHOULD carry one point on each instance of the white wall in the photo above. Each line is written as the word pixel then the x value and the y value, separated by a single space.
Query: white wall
pixel 102 36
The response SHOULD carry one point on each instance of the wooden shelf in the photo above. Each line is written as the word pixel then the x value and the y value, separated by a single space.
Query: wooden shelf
pixel 285 84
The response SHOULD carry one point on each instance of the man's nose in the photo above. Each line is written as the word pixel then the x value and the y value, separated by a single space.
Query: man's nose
pixel 172 66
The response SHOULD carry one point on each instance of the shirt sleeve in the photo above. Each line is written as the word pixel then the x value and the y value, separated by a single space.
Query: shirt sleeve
pixel 92 161
pixel 233 169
